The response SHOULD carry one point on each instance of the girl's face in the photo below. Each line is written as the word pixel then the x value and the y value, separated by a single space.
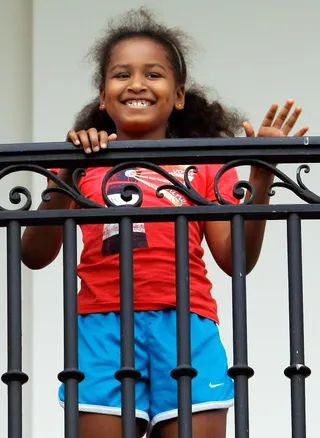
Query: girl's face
pixel 140 90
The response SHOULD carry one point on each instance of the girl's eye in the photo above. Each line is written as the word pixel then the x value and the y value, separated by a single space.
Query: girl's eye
pixel 152 75
pixel 122 75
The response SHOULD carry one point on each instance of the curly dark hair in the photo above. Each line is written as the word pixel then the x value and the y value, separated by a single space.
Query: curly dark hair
pixel 200 117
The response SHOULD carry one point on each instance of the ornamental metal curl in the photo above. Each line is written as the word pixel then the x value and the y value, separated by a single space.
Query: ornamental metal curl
pixel 299 188
pixel 73 192
pixel 61 187
pixel 128 190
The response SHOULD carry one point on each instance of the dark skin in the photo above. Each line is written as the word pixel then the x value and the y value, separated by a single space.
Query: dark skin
pixel 139 69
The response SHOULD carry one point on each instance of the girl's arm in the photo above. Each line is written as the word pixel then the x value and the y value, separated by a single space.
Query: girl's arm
pixel 40 245
pixel 218 234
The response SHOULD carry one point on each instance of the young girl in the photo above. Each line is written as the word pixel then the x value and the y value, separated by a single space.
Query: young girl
pixel 141 79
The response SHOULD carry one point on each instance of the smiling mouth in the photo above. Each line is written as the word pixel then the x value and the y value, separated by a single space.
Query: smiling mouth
pixel 138 103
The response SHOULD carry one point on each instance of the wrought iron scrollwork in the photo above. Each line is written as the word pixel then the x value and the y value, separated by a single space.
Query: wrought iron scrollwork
pixel 61 187
pixel 128 190
pixel 299 188
pixel 73 192
pixel 187 190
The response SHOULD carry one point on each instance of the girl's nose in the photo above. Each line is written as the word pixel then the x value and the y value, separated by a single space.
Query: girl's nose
pixel 137 84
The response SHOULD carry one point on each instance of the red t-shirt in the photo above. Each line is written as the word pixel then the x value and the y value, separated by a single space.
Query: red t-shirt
pixel 153 243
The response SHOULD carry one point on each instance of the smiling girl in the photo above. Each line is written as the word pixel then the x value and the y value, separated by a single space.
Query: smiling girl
pixel 141 81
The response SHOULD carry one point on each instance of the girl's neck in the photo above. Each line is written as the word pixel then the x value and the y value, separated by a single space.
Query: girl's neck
pixel 147 136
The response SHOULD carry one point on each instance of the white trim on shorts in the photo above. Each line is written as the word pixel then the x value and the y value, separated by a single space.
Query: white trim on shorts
pixel 199 407
pixel 107 410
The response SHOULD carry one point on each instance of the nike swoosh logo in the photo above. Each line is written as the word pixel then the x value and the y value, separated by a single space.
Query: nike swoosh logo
pixel 215 386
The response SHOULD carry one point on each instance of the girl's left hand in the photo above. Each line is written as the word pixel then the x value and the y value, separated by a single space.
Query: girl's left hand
pixel 279 126
pixel 273 126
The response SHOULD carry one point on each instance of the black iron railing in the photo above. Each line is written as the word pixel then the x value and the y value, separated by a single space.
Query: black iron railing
pixel 120 155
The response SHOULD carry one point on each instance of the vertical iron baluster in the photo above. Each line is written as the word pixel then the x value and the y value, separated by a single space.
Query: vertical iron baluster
pixel 240 371
pixel 127 374
pixel 14 377
pixel 71 376
pixel 297 371
pixel 184 373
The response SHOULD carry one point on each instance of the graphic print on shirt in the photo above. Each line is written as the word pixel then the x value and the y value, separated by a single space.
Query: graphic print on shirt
pixel 111 238
pixel 154 180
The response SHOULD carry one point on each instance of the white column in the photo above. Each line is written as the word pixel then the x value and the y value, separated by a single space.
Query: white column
pixel 16 127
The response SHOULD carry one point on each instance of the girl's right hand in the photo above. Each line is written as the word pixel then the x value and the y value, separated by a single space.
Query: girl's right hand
pixel 91 140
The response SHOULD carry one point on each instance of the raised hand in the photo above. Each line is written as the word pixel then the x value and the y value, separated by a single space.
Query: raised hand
pixel 280 125
pixel 91 140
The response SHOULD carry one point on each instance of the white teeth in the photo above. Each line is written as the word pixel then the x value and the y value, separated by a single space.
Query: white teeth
pixel 138 103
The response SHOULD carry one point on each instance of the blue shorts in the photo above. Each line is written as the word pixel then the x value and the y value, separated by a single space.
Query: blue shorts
pixel 155 357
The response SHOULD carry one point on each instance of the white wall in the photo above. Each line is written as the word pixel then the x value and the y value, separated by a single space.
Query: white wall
pixel 15 116
pixel 253 53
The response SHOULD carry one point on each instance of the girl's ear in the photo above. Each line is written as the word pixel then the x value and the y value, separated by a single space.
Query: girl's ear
pixel 102 100
pixel 180 97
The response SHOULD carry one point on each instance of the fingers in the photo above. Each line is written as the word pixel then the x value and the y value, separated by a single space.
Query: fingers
pixel 269 117
pixel 292 120
pixel 73 137
pixel 302 131
pixel 248 128
pixel 280 124
pixel 283 114
pixel 103 139
pixel 91 140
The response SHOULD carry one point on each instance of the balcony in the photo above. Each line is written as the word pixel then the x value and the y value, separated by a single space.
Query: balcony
pixel 302 205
